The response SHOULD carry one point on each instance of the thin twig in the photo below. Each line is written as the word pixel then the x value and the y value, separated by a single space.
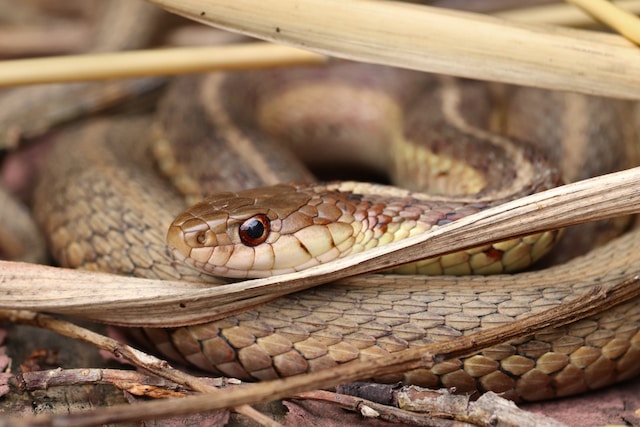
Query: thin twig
pixel 488 411
pixel 136 383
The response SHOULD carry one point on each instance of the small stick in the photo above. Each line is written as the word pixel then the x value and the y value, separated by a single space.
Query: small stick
pixel 612 15
pixel 136 383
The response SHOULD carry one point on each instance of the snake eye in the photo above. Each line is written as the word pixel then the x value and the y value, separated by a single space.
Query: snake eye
pixel 255 230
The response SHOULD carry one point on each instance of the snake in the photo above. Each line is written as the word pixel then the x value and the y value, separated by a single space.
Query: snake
pixel 112 188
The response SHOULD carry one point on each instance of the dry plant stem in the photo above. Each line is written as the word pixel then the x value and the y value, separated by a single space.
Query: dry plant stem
pixel 489 410
pixel 590 304
pixel 419 406
pixel 134 382
pixel 156 62
pixel 129 301
pixel 612 15
pixel 434 39
pixel 560 14
pixel 186 60
pixel 150 363
pixel 369 409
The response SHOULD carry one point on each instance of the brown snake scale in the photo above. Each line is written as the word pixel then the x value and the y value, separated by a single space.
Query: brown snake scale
pixel 104 207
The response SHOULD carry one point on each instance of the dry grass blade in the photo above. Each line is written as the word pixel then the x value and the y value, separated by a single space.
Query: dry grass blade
pixel 187 60
pixel 139 302
pixel 151 62
pixel 612 15
pixel 433 39
pixel 560 14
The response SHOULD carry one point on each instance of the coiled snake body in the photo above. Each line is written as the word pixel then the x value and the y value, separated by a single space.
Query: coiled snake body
pixel 104 207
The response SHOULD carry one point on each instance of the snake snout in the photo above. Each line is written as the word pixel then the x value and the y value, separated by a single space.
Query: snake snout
pixel 176 243
pixel 188 233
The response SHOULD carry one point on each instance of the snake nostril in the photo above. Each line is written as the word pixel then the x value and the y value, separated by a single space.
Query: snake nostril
pixel 201 239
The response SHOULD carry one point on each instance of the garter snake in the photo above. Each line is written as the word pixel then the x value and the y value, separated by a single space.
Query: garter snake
pixel 104 207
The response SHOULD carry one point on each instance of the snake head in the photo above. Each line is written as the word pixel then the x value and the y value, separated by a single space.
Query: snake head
pixel 260 232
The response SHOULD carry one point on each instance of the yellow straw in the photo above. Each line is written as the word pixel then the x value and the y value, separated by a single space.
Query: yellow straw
pixel 625 23
pixel 151 62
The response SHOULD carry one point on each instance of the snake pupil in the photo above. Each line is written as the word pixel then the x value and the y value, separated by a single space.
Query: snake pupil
pixel 254 230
